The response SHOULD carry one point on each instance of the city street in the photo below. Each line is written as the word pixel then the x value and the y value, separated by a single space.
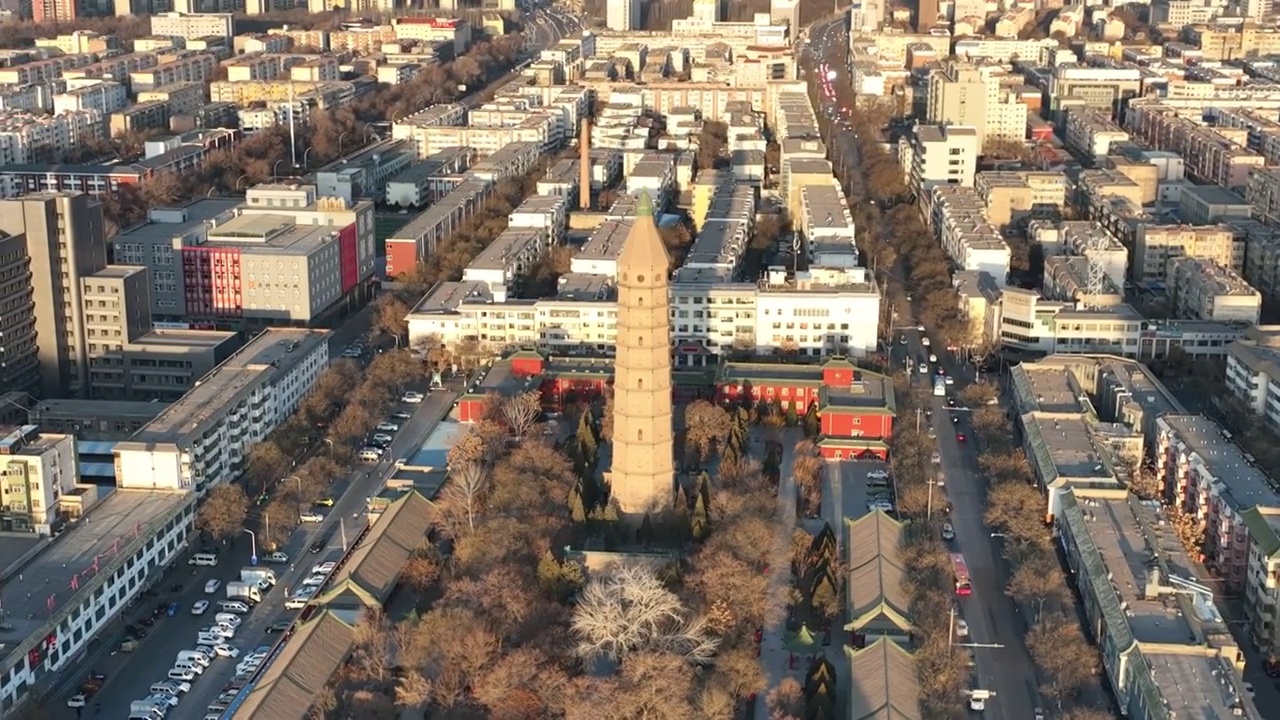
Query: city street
pixel 992 615
pixel 130 676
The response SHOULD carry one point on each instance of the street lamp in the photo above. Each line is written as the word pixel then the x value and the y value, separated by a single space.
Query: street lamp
pixel 242 177
pixel 344 134
pixel 253 544
pixel 306 155
pixel 275 175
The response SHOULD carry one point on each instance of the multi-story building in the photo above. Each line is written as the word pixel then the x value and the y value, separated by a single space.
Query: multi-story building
pixel 19 354
pixel 933 155
pixel 1014 194
pixel 54 11
pixel 1212 482
pixel 1210 156
pixel 1166 651
pixel 958 219
pixel 412 243
pixel 433 30
pixel 1102 88
pixel 1205 290
pixel 1085 239
pixel 183 98
pixel 140 117
pixel 104 97
pixel 202 439
pixel 1091 133
pixel 968 95
pixel 283 254
pixel 36 470
pixel 196 67
pixel 1253 371
pixel 80 42
pixel 94 570
pixel 65 242
pixel 1155 245
pixel 190 27
pixel 28 137
pixel 624 16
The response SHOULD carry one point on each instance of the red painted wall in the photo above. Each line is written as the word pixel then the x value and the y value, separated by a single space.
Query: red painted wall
pixel 804 396
pixel 470 409
pixel 211 277
pixel 845 453
pixel 849 424
pixel 402 256
pixel 349 263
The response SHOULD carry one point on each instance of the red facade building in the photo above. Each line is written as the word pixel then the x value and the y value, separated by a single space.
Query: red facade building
pixel 855 406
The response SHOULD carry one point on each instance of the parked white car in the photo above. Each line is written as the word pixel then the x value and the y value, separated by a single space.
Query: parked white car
pixel 212 586
pixel 323 568
pixel 314 581
pixel 199 606
pixel 388 427
pixel 311 517
pixel 878 475
pixel 225 650
pixel 412 396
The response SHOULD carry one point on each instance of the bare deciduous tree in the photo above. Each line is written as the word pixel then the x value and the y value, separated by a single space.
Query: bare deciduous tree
pixel 1037 579
pixel 787 698
pixel 521 412
pixel 465 491
pixel 223 513
pixel 629 610
pixel 706 424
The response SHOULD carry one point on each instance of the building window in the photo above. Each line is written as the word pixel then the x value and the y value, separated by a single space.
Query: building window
pixel 640 435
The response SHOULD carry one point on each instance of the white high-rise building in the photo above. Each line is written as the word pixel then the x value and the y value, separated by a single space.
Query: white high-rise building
pixel 707 11
pixel 623 15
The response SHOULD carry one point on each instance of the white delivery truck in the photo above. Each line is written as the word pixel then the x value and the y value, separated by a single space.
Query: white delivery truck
pixel 244 591
pixel 262 577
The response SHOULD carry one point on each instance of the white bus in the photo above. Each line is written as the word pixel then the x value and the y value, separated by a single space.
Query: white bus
pixel 939 386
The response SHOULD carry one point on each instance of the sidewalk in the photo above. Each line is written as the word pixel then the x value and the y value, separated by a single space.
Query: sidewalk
pixel 774 655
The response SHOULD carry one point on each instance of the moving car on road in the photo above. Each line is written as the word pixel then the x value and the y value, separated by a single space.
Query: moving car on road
pixel 200 606
pixel 948 532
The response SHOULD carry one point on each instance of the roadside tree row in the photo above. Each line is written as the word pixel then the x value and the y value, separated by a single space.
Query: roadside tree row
pixel 1068 663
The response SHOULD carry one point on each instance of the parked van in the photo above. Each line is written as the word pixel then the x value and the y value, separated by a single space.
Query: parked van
pixel 228 618
pixel 233 606
pixel 194 667
pixel 203 559
pixel 194 656
pixel 178 673
pixel 205 638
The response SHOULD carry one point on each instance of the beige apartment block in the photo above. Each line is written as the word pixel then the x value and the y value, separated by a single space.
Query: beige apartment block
pixel 1157 244
pixel 1205 290
pixel 642 472
pixel 1011 194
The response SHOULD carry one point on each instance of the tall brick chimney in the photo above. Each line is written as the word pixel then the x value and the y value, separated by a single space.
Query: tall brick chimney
pixel 584 162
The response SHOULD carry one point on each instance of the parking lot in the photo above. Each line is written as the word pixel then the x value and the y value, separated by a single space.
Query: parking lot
pixel 847 492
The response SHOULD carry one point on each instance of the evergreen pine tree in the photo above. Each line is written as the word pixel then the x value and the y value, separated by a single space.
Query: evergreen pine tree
pixel 812 423
pixel 703 491
pixel 775 408
pixel 645 534
pixel 792 417
pixel 698 519
pixel 577 507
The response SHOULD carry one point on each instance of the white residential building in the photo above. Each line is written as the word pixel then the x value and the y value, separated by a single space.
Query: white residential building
pixel 933 155
pixel 36 469
pixel 193 26
pixel 959 221
pixel 1253 371
pixel 202 440
pixel 105 97
pixel 1205 290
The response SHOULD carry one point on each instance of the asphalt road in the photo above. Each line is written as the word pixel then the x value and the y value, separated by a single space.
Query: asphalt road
pixel 129 677
pixel 992 615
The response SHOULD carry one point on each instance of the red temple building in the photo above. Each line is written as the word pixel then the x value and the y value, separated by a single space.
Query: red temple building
pixel 855 406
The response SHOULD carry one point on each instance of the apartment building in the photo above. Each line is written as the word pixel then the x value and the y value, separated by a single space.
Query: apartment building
pixel 1072 280
pixel 506 260
pixel 958 219
pixel 427 181
pixel 1214 483
pixel 202 440
pixel 1015 194
pixel 1204 290
pixel 43 71
pixel 65 243
pixel 29 137
pixel 826 223
pixel 432 30
pixel 115 68
pixel 1155 245
pixel 1084 239
pixel 1100 88
pixel 364 173
pixel 103 97
pixel 19 353
pixel 188 68
pixel 140 117
pixel 80 42
pixel 412 243
pixel 183 98
pixel 825 312
pixel 933 155
pixel 192 26
pixel 1253 371
pixel 1210 157
pixel 36 470
pixel 970 95
pixel 1090 133
pixel 1263 193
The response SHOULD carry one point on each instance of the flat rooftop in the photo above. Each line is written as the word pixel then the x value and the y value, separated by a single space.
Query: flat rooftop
pixel 197 214
pixel 1171 628
pixel 1070 447
pixel 447 296
pixel 1050 389
pixel 54 579
pixel 269 231
pixel 1124 548
pixel 99 408
pixel 184 338
pixel 1246 485
pixel 273 351
pixel 606 242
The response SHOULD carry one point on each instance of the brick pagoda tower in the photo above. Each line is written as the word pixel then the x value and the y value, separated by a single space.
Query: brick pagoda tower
pixel 642 475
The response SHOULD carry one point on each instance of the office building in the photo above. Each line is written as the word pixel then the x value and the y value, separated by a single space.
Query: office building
pixel 933 155
pixel 624 15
